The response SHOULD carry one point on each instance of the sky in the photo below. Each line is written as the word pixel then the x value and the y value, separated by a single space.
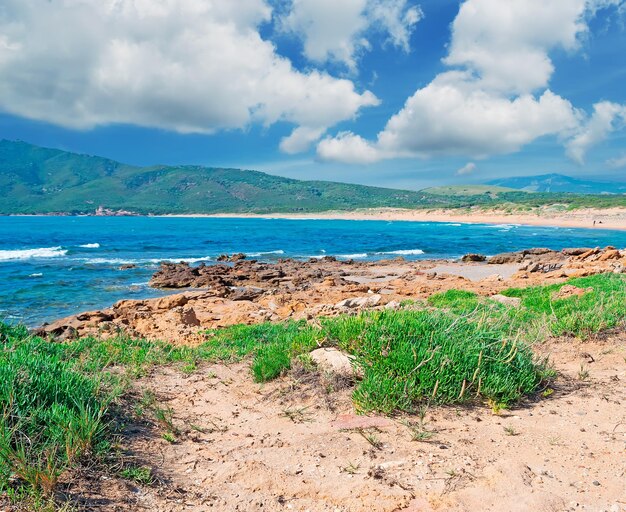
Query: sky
pixel 396 93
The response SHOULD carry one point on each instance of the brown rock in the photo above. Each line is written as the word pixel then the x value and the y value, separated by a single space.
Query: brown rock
pixel 571 291
pixel 473 257
pixel 610 254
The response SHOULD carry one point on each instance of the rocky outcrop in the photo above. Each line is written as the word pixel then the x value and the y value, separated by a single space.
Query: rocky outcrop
pixel 247 291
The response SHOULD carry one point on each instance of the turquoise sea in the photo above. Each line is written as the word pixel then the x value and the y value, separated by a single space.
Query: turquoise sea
pixel 55 266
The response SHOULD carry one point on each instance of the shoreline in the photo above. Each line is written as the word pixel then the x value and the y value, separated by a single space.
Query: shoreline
pixel 608 219
pixel 583 218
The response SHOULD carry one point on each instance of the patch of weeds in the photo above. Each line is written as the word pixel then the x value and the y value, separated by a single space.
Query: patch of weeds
pixel 189 368
pixel 351 468
pixel 419 430
pixel 510 431
pixel 138 474
pixel 371 438
pixel 169 437
pixel 297 414
pixel 583 373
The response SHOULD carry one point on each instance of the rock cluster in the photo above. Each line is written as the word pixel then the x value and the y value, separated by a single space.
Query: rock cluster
pixel 247 291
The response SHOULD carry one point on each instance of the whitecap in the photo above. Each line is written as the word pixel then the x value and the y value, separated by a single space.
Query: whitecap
pixel 25 254
pixel 95 245
pixel 404 252
pixel 263 253
pixel 352 256
pixel 456 224
pixel 38 274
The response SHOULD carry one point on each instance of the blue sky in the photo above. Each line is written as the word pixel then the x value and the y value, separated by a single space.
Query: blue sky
pixel 397 93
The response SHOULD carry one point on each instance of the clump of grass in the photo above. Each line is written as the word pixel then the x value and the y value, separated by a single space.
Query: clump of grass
pixel 139 474
pixel 51 414
pixel 459 301
pixel 411 358
pixel 582 316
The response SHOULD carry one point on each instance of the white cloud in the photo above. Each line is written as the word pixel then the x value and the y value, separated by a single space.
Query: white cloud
pixel 468 168
pixel 184 65
pixel 495 100
pixel 300 139
pixel 507 43
pixel 617 163
pixel 605 118
pixel 348 148
pixel 338 29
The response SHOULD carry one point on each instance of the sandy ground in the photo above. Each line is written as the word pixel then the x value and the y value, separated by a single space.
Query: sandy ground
pixel 607 218
pixel 294 445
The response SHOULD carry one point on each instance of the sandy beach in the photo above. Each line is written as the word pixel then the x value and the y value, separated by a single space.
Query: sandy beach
pixel 606 218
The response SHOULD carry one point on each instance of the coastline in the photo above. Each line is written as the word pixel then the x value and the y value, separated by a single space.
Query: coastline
pixel 582 218
pixel 606 219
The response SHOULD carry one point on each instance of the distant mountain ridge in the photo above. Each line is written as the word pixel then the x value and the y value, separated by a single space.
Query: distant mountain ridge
pixel 41 180
pixel 559 183
pixel 36 180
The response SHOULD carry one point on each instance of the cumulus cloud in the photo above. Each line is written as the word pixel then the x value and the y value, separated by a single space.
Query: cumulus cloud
pixel 606 117
pixel 183 65
pixel 495 99
pixel 468 168
pixel 348 148
pixel 334 30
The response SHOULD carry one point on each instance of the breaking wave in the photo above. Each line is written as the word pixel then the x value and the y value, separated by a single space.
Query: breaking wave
pixel 25 254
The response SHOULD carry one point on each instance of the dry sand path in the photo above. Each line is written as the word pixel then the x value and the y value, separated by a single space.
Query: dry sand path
pixel 281 446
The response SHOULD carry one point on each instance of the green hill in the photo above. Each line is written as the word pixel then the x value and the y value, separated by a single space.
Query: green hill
pixel 467 190
pixel 41 180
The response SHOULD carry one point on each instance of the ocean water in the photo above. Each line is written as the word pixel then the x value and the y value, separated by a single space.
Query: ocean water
pixel 51 267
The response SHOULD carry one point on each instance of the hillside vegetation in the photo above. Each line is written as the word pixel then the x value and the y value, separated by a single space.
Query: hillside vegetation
pixel 40 180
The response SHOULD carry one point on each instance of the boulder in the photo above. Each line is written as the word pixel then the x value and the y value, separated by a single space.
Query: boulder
pixel 473 257
pixel 610 254
pixel 359 302
pixel 508 301
pixel 334 361
pixel 506 257
pixel 576 251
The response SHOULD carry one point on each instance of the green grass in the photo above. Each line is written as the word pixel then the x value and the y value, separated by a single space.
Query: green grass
pixel 51 414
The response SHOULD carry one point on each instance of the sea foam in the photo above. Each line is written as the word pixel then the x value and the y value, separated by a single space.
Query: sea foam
pixel 404 252
pixel 25 254
pixel 90 246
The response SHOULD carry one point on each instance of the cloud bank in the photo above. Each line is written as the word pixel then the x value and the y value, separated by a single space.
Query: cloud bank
pixel 494 99
pixel 332 30
pixel 183 65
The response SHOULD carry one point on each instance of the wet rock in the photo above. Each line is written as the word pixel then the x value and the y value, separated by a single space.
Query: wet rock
pixel 473 257
pixel 576 251
pixel 127 266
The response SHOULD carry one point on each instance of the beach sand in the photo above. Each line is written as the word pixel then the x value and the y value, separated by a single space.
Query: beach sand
pixel 608 218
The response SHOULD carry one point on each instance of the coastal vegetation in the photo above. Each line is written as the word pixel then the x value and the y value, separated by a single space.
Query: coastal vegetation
pixel 37 180
pixel 65 403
